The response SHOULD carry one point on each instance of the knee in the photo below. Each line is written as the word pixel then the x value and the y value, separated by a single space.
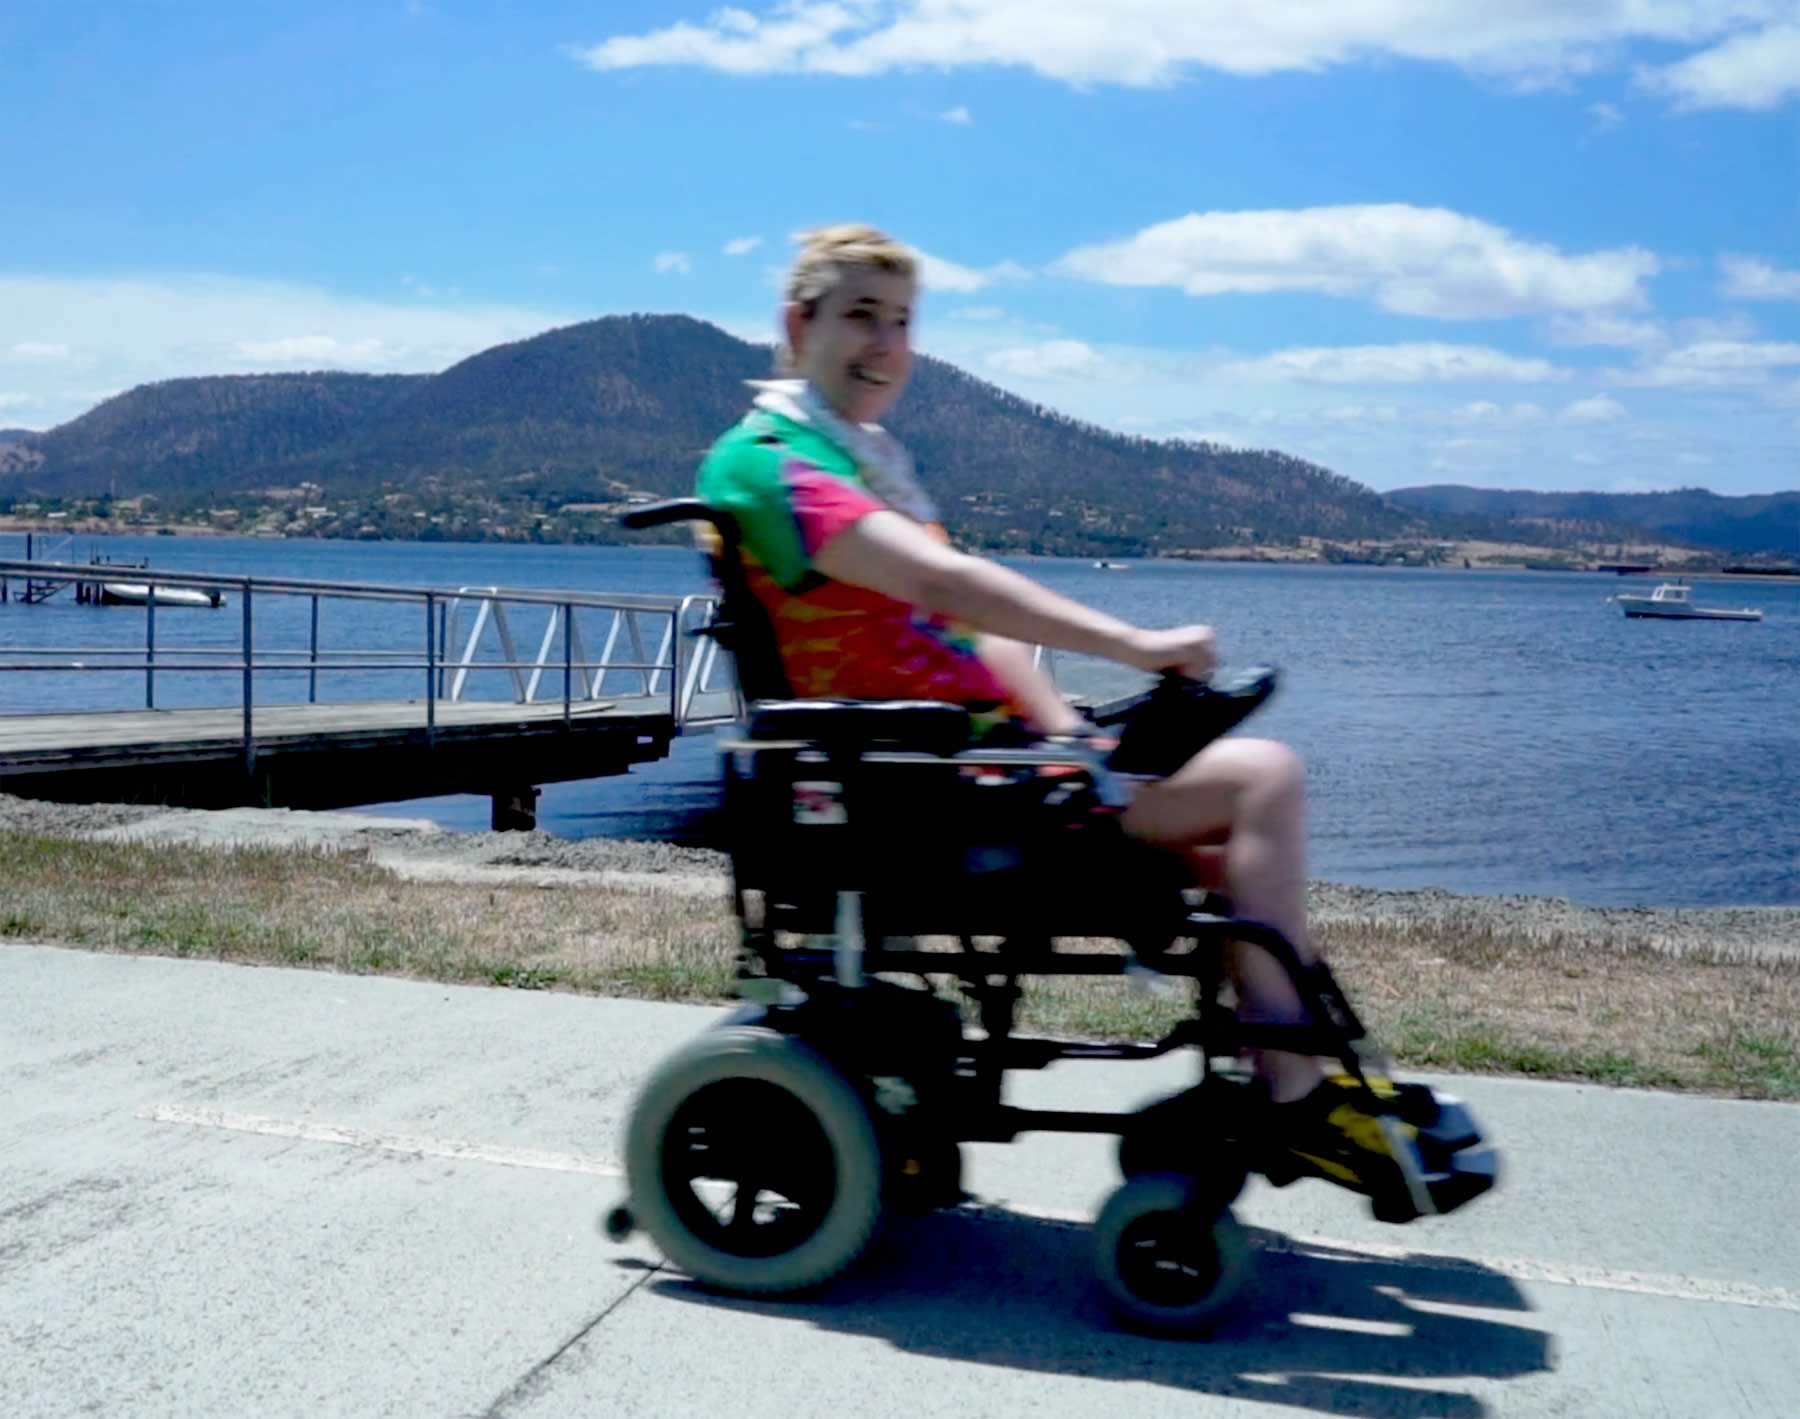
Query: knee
pixel 1267 767
pixel 1230 782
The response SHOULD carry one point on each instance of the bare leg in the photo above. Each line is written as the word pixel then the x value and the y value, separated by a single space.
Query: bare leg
pixel 1031 688
pixel 1255 789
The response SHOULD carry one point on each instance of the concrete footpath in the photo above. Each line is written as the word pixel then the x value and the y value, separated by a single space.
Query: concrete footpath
pixel 231 1191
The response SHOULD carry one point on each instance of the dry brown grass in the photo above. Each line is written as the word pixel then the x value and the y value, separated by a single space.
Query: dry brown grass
pixel 339 912
pixel 1456 995
pixel 1559 1006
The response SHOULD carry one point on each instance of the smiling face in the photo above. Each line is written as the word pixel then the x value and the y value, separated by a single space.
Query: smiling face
pixel 855 348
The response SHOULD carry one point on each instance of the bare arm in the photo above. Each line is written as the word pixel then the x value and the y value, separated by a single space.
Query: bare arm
pixel 889 553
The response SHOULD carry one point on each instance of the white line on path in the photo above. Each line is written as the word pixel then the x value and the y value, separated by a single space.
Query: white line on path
pixel 1593 1278
pixel 416 1145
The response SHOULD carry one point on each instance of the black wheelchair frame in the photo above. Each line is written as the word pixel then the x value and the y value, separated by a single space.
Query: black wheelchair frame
pixel 839 842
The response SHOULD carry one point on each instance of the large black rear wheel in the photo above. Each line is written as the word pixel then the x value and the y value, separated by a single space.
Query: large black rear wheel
pixel 754 1163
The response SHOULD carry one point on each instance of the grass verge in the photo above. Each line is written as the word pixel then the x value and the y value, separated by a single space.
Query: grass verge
pixel 1468 997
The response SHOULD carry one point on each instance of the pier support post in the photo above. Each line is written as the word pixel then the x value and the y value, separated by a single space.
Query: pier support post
pixel 515 810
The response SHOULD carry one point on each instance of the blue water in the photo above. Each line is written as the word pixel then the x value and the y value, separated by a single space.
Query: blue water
pixel 1486 732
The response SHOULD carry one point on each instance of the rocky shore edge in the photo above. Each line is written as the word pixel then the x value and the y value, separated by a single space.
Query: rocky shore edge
pixel 417 848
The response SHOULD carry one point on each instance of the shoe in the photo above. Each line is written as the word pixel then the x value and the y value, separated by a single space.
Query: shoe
pixel 1338 1133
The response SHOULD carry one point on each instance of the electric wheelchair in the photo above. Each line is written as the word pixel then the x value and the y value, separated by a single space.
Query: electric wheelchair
pixel 762 1157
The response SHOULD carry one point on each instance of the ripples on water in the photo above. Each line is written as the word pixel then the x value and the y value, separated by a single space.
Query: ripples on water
pixel 1490 732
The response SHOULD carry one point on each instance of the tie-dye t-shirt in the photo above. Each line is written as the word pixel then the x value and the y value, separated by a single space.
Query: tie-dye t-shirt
pixel 790 492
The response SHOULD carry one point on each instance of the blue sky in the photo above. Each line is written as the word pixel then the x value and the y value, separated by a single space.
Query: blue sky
pixel 1539 243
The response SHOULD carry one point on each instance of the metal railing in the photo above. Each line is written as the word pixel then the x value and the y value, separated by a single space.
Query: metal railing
pixel 453 628
pixel 690 672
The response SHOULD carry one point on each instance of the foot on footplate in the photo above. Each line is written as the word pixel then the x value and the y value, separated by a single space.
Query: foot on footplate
pixel 1411 1152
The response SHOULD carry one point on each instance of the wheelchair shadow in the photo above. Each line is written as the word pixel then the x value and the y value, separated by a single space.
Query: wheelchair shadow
pixel 1337 1332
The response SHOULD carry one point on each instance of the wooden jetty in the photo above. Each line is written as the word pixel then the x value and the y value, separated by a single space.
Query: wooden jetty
pixel 563 724
pixel 327 756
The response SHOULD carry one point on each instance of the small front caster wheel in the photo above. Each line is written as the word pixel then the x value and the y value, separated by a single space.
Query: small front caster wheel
pixel 1220 1172
pixel 1170 1261
pixel 620 1224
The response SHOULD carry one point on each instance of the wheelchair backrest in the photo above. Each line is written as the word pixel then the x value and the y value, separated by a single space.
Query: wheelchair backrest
pixel 742 627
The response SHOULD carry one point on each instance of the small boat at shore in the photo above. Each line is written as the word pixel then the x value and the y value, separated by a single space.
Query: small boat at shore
pixel 1670 602
pixel 1112 566
pixel 137 593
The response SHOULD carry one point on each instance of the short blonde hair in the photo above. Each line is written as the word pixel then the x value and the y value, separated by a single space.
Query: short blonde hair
pixel 826 254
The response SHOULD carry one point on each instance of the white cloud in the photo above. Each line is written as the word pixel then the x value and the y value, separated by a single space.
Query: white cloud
pixel 1053 359
pixel 36 352
pixel 936 274
pixel 978 312
pixel 1748 279
pixel 1412 260
pixel 1606 116
pixel 1142 42
pixel 742 246
pixel 1758 70
pixel 18 399
pixel 1485 411
pixel 959 114
pixel 1598 410
pixel 1360 414
pixel 1422 363
pixel 427 292
pixel 1713 362
pixel 124 331
pixel 798 35
pixel 1715 327
pixel 676 261
pixel 1381 416
pixel 1603 328
pixel 1695 459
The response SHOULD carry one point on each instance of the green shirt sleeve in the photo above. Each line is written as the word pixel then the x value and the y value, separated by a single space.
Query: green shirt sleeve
pixel 742 477
pixel 787 490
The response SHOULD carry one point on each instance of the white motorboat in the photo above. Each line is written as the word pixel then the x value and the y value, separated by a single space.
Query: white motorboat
pixel 137 593
pixel 1671 602
pixel 1112 566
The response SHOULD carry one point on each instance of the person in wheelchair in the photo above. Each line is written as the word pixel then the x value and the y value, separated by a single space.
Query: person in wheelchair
pixel 868 599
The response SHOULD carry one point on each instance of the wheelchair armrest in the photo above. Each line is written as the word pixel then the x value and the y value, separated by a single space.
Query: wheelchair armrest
pixel 673 510
pixel 930 726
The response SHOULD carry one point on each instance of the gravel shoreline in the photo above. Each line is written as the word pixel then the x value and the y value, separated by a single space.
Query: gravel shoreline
pixel 416 848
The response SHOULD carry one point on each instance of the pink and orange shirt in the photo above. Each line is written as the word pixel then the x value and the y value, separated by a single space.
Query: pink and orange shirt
pixel 791 492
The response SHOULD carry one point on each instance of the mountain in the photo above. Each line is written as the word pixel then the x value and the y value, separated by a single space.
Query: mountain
pixel 545 437
pixel 206 434
pixel 626 405
pixel 633 399
pixel 18 451
pixel 1000 465
pixel 1767 524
